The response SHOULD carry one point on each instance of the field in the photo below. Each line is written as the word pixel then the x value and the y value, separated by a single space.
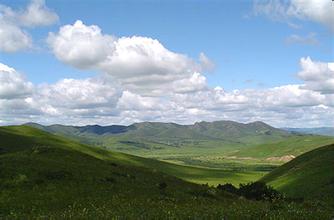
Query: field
pixel 46 176
pixel 205 152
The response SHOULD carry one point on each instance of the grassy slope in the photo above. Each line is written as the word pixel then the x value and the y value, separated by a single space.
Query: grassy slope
pixel 43 175
pixel 295 145
pixel 30 136
pixel 310 175
pixel 186 144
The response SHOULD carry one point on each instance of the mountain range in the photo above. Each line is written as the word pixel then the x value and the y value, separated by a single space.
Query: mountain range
pixel 328 131
pixel 186 144
pixel 171 134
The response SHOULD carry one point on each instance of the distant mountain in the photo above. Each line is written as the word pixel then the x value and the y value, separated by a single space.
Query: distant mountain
pixel 310 175
pixel 157 134
pixel 169 140
pixel 328 131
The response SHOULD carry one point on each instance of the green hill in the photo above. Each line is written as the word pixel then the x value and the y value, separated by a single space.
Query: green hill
pixel 156 135
pixel 46 176
pixel 290 147
pixel 311 175
pixel 248 151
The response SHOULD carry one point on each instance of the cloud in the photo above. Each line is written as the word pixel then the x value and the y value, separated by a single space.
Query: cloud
pixel 13 36
pixel 318 76
pixel 77 96
pixel 310 39
pixel 103 101
pixel 131 101
pixel 14 90
pixel 98 100
pixel 140 64
pixel 12 84
pixel 37 14
pixel 81 46
pixel 320 11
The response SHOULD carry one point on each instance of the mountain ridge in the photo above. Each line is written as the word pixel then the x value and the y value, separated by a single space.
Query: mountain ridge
pixel 328 131
pixel 159 134
pixel 114 128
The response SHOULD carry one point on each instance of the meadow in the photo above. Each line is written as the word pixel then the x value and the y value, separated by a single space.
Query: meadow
pixel 48 176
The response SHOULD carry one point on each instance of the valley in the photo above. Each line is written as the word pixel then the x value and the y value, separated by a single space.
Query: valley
pixel 246 151
pixel 48 175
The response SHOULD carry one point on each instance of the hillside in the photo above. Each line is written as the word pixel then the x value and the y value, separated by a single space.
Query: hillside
pixel 46 176
pixel 310 175
pixel 217 144
pixel 290 147
pixel 151 135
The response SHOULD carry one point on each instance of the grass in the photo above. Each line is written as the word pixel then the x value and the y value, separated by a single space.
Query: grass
pixel 295 145
pixel 46 176
pixel 309 175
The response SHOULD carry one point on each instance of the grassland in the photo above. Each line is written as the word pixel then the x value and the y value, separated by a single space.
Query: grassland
pixel 310 175
pixel 46 176
pixel 295 145
pixel 197 174
pixel 213 153
pixel 183 143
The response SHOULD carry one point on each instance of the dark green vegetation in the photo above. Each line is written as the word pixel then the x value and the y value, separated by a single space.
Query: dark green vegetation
pixel 309 176
pixel 254 190
pixel 43 175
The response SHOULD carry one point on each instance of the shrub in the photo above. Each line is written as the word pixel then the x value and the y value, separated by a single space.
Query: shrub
pixel 258 191
pixel 254 190
pixel 228 187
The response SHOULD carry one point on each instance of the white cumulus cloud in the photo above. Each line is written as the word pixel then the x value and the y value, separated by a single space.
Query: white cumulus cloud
pixel 13 36
pixel 318 76
pixel 140 64
pixel 12 84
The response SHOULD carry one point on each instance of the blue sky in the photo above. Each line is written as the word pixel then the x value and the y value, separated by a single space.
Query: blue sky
pixel 248 51
pixel 254 45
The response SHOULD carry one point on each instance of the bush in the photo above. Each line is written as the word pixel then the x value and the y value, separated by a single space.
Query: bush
pixel 259 191
pixel 254 190
pixel 228 187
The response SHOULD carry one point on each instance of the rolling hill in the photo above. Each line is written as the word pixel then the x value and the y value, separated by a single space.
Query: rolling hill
pixel 310 175
pixel 47 176
pixel 150 135
pixel 206 144
pixel 290 147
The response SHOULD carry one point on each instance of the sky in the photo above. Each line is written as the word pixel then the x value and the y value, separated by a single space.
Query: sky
pixel 120 62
